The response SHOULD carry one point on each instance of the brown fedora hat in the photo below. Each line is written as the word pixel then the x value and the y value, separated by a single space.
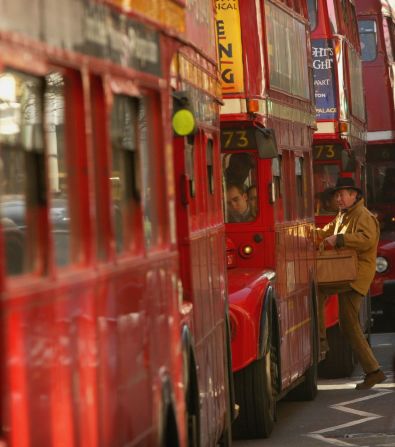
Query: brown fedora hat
pixel 346 183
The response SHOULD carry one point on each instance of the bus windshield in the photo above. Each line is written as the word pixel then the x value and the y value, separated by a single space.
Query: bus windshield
pixel 325 176
pixel 240 182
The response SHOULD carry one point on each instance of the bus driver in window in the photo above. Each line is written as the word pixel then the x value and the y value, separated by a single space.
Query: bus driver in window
pixel 237 204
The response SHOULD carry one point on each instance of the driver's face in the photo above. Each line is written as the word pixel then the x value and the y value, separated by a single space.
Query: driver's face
pixel 236 201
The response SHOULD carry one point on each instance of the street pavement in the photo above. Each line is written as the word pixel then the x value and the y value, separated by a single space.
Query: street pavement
pixel 341 415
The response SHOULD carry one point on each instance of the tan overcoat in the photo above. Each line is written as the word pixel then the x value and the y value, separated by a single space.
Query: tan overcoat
pixel 359 229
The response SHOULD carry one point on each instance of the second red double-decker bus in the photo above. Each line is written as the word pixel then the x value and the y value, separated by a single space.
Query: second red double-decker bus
pixel 376 21
pixel 267 122
pixel 339 144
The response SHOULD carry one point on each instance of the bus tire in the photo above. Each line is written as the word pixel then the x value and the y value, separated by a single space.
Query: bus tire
pixel 255 391
pixel 191 390
pixel 339 361
pixel 193 409
pixel 169 433
pixel 226 436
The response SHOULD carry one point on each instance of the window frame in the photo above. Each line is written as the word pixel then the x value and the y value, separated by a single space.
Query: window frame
pixel 137 232
pixel 374 33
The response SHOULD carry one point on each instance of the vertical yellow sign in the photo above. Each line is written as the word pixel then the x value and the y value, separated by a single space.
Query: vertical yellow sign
pixel 229 46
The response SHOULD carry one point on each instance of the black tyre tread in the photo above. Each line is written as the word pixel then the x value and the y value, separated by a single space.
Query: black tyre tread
pixel 253 420
pixel 170 438
pixel 226 436
pixel 192 401
pixel 339 361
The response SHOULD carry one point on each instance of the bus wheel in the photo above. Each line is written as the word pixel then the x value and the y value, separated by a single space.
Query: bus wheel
pixel 193 417
pixel 226 437
pixel 193 430
pixel 256 395
pixel 169 432
pixel 170 438
pixel 192 401
pixel 339 361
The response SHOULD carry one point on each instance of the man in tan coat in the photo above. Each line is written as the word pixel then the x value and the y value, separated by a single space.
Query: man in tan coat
pixel 354 227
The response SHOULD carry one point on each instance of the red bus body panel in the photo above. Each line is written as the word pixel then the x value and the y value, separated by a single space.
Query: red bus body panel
pixel 340 134
pixel 386 249
pixel 246 289
pixel 281 246
pixel 92 351
pixel 378 73
pixel 200 226
pixel 378 76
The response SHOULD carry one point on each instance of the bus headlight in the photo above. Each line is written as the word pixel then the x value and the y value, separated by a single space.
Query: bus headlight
pixel 381 264
pixel 246 251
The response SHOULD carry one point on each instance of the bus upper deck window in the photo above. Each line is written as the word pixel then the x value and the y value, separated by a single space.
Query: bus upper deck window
pixel 22 169
pixel 368 37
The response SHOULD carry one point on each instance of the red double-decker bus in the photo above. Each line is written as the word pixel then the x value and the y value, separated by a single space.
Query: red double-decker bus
pixel 339 146
pixel 201 233
pixel 113 298
pixel 376 21
pixel 267 123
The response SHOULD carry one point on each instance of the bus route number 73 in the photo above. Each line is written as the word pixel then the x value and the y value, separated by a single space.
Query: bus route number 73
pixel 326 152
pixel 237 139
